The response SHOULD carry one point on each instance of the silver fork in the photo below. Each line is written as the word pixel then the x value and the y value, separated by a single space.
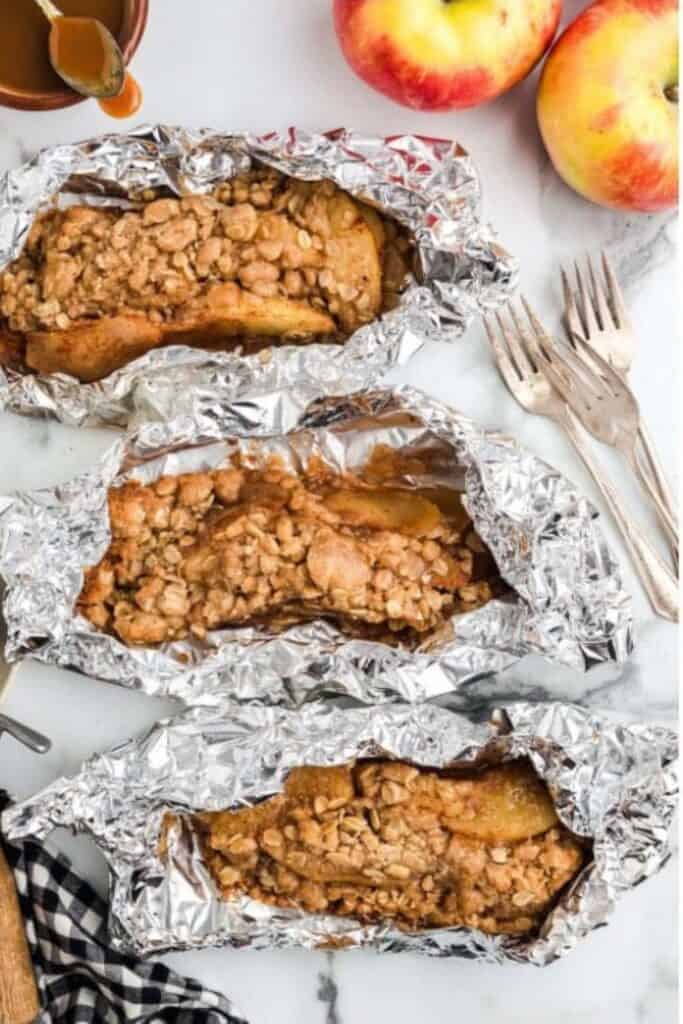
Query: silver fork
pixel 597 315
pixel 526 370
pixel 605 405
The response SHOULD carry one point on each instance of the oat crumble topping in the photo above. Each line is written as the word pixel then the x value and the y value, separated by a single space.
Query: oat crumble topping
pixel 385 840
pixel 264 254
pixel 200 551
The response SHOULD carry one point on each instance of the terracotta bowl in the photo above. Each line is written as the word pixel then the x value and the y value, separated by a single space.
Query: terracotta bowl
pixel 134 22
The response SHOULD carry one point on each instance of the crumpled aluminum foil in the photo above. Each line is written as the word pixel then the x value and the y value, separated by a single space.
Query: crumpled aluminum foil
pixel 570 604
pixel 613 783
pixel 429 185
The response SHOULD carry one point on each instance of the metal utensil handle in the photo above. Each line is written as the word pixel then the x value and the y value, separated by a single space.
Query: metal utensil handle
pixel 656 469
pixel 19 1001
pixel 658 581
pixel 647 485
pixel 49 9
pixel 23 734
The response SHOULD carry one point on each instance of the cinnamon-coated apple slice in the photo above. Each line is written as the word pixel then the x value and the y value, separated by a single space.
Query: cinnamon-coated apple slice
pixel 337 562
pixel 511 803
pixel 355 264
pixel 385 508
pixel 92 349
pixel 374 222
pixel 449 503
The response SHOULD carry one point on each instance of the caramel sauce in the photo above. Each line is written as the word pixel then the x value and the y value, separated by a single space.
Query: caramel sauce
pixel 24 32
pixel 127 102
pixel 78 47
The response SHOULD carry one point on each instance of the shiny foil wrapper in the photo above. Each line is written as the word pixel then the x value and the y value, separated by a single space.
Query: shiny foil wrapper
pixel 568 603
pixel 428 185
pixel 613 783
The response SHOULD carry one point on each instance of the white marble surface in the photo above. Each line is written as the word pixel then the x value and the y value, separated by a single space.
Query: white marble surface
pixel 251 65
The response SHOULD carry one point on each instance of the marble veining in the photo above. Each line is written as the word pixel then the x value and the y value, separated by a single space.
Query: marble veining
pixel 328 991
pixel 269 65
pixel 655 250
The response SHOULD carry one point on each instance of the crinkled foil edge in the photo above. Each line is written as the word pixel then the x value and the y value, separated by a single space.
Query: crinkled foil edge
pixel 430 185
pixel 612 782
pixel 570 604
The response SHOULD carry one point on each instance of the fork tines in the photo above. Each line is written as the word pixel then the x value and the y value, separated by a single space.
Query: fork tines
pixel 510 347
pixel 525 338
pixel 598 303
pixel 527 351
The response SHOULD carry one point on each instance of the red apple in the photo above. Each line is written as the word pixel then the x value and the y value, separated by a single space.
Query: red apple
pixel 608 104
pixel 444 54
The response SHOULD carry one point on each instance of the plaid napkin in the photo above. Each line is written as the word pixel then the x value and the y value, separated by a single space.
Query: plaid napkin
pixel 80 979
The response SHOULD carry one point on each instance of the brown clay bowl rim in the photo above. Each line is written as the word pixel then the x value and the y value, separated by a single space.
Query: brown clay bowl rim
pixel 134 24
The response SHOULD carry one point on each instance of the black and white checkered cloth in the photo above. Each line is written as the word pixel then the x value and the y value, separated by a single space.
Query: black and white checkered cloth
pixel 81 980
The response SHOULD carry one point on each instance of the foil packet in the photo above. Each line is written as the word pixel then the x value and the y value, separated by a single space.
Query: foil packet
pixel 568 604
pixel 428 185
pixel 613 783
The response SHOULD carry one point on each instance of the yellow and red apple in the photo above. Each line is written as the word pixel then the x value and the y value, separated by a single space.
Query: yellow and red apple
pixel 608 104
pixel 444 54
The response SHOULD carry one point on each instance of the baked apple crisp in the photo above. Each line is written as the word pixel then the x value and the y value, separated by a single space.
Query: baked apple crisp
pixel 265 256
pixel 201 551
pixel 385 841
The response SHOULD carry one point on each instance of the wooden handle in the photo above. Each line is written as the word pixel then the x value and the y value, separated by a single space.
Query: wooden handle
pixel 19 1002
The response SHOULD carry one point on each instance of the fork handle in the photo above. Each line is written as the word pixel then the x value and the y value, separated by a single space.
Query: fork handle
pixel 657 579
pixel 656 469
pixel 646 482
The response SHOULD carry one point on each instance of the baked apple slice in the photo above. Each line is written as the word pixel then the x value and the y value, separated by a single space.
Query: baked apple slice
pixel 386 508
pixel 91 349
pixel 511 803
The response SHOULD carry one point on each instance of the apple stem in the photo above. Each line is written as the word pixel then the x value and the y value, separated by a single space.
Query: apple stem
pixel 671 92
